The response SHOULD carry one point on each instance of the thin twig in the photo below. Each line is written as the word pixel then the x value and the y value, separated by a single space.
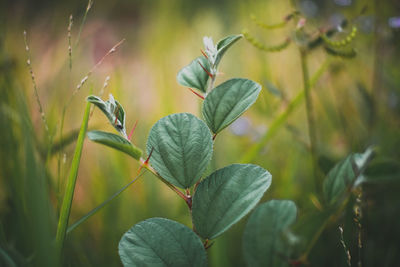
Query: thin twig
pixel 84 79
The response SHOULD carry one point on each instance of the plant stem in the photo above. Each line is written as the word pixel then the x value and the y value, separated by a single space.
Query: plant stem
pixel 171 186
pixel 59 159
pixel 71 181
pixel 310 118
pixel 211 84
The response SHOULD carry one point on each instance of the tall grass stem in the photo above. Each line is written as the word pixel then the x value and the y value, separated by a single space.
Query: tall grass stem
pixel 89 5
pixel 35 89
pixel 310 119
pixel 71 182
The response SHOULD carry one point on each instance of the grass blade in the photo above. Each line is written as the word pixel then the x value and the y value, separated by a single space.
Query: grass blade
pixel 99 207
pixel 71 181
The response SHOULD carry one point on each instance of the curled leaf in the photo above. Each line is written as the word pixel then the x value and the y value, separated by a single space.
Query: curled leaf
pixel 113 110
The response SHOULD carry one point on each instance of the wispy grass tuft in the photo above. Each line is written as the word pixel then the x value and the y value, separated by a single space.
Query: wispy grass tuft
pixel 35 89
pixel 88 7
pixel 69 41
pixel 84 79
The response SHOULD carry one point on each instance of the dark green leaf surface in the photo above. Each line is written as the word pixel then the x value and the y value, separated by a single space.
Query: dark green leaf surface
pixel 115 141
pixel 161 242
pixel 112 109
pixel 226 196
pixel 339 179
pixel 224 44
pixel 225 103
pixel 343 176
pixel 194 76
pixel 182 148
pixel 262 238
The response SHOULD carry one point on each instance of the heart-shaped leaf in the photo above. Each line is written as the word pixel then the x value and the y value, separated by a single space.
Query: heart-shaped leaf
pixel 262 238
pixel 226 196
pixel 224 44
pixel 161 242
pixel 115 141
pixel 182 148
pixel 226 102
pixel 343 176
pixel 194 76
pixel 113 111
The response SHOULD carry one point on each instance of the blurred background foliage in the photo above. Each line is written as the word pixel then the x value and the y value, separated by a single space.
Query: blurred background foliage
pixel 356 104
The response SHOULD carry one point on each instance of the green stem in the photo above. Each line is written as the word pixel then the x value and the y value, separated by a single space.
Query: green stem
pixel 310 118
pixel 70 187
pixel 211 85
pixel 59 159
pixel 254 150
pixel 95 210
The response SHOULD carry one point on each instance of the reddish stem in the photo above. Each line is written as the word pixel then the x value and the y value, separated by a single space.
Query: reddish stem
pixel 194 92
pixel 133 129
pixel 204 54
pixel 146 162
pixel 209 74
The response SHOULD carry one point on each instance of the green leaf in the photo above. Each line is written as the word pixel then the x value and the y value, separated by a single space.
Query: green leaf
pixel 112 109
pixel 182 148
pixel 362 159
pixel 115 141
pixel 339 179
pixel 224 44
pixel 226 102
pixel 262 239
pixel 226 196
pixel 343 176
pixel 161 242
pixel 194 76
